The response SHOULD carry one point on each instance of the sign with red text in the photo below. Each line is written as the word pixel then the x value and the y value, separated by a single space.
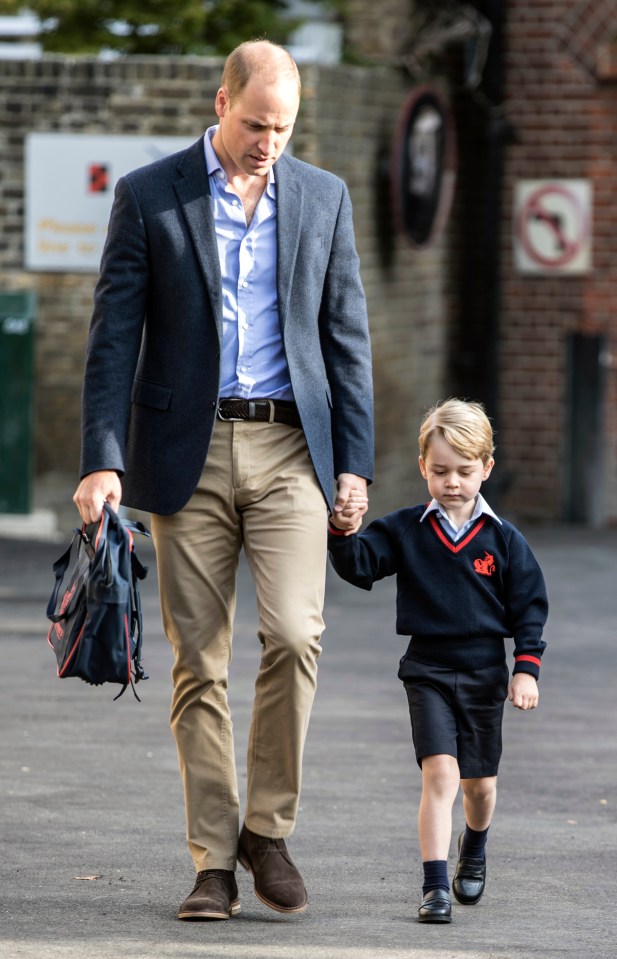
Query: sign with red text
pixel 69 187
pixel 552 226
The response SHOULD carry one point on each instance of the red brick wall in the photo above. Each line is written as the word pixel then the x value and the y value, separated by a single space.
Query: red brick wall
pixel 558 118
pixel 509 332
pixel 565 114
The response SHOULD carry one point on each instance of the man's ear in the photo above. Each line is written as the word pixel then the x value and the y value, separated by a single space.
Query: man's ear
pixel 221 102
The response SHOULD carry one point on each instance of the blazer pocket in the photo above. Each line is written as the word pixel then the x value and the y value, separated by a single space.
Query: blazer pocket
pixel 155 395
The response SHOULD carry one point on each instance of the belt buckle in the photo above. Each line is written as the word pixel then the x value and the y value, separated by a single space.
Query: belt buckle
pixel 253 404
pixel 227 419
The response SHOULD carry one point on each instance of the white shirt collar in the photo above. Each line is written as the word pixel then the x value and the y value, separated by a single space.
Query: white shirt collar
pixel 481 507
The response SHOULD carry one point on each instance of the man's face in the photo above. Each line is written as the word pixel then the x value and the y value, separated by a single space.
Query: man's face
pixel 255 127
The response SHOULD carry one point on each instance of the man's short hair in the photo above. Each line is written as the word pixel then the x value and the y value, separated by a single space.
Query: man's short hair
pixel 259 58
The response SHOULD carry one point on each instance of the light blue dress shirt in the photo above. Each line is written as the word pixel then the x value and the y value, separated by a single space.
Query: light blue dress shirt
pixel 455 533
pixel 253 360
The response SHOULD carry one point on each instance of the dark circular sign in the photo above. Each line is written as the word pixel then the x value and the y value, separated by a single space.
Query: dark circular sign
pixel 423 166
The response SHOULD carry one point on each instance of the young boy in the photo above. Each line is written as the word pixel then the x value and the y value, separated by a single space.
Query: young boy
pixel 465 580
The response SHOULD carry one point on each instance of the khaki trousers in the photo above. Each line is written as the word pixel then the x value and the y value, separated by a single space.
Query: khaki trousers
pixel 258 491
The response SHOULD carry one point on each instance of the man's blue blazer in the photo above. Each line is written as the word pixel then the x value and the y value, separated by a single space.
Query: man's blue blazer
pixel 153 361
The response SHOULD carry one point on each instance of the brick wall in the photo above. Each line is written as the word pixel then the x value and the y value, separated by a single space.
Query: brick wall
pixel 79 95
pixel 346 124
pixel 376 31
pixel 565 113
pixel 404 287
pixel 556 120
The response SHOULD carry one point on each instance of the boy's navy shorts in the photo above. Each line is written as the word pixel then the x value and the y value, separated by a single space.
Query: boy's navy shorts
pixel 458 713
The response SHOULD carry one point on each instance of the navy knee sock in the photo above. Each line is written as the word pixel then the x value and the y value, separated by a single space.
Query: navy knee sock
pixel 474 843
pixel 435 875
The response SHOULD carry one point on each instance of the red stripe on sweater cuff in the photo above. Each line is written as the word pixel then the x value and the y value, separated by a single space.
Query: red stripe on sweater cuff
pixel 335 532
pixel 527 659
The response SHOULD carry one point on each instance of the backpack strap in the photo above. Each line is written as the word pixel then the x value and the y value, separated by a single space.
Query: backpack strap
pixel 60 567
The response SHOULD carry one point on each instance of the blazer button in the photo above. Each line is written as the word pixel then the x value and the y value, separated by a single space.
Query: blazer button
pixel 213 405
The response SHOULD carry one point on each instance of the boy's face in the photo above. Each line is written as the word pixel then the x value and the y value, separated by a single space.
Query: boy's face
pixel 453 480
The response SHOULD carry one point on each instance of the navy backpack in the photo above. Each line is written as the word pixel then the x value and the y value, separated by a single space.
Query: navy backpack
pixel 96 630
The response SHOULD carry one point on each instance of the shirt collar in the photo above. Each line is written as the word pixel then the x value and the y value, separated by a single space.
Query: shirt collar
pixel 481 507
pixel 214 168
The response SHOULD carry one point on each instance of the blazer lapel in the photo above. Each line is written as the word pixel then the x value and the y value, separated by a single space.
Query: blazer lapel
pixel 193 192
pixel 289 212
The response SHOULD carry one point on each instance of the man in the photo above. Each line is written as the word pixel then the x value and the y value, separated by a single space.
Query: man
pixel 228 384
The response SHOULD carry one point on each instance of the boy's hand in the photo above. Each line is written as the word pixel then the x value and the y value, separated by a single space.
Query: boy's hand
pixel 351 503
pixel 523 691
pixel 344 524
pixel 347 520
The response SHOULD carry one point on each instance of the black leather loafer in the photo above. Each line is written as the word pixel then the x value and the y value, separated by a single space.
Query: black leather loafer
pixel 469 878
pixel 435 907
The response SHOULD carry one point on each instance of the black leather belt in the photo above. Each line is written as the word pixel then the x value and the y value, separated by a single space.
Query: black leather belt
pixel 262 411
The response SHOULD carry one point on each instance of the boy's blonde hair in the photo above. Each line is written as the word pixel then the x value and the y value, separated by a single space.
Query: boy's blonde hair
pixel 464 425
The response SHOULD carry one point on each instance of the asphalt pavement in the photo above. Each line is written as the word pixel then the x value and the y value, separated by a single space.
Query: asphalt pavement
pixel 93 861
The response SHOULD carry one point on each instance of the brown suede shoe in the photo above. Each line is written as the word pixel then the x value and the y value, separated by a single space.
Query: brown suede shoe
pixel 278 883
pixel 214 896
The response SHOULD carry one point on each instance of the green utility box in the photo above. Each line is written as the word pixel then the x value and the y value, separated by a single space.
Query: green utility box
pixel 17 320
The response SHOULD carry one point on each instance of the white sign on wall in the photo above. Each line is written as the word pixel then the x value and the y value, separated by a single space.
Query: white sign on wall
pixel 70 180
pixel 552 226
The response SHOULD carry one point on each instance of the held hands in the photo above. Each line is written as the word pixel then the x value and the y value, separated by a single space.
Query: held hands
pixel 351 503
pixel 523 691
pixel 94 490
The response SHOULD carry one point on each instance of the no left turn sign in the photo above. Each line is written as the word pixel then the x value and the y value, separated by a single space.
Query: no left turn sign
pixel 552 226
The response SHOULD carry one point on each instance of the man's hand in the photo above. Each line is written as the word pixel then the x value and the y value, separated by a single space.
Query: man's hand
pixel 351 502
pixel 94 490
pixel 523 691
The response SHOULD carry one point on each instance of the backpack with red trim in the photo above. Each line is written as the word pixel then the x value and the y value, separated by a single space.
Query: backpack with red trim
pixel 96 618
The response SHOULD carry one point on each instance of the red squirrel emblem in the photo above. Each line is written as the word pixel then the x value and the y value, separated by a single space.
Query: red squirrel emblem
pixel 486 566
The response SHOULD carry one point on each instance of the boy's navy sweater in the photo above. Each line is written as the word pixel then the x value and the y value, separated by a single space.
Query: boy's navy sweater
pixel 457 601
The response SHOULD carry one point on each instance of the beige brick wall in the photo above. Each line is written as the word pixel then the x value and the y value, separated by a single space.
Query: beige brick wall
pixel 356 113
pixel 79 95
pixel 377 31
